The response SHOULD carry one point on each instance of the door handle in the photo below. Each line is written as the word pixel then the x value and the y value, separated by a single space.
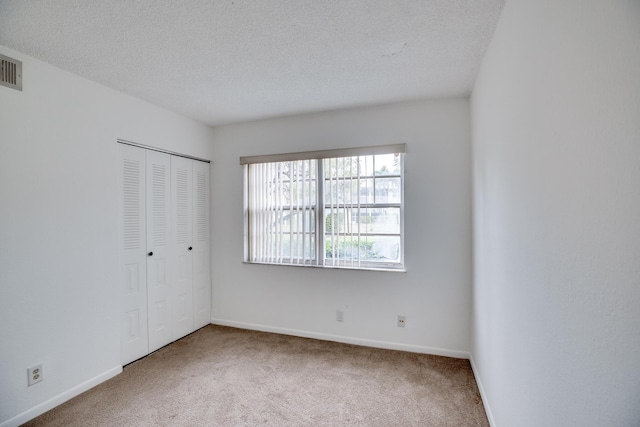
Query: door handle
pixel 190 248
pixel 150 254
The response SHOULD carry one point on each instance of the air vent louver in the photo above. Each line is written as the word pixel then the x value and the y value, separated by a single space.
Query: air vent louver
pixel 10 73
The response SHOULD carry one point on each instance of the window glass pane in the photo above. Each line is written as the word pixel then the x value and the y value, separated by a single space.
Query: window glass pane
pixel 342 220
pixel 366 165
pixel 366 191
pixel 286 220
pixel 344 167
pixel 378 220
pixel 344 248
pixel 343 191
pixel 295 220
pixel 332 221
pixel 387 164
pixel 310 192
pixel 368 248
pixel 310 249
pixel 388 190
pixel 383 249
pixel 286 246
pixel 309 219
pixel 363 220
pixel 291 182
pixel 294 242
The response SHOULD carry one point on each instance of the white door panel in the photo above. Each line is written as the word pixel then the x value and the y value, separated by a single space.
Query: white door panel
pixel 133 272
pixel 158 170
pixel 164 249
pixel 201 244
pixel 181 243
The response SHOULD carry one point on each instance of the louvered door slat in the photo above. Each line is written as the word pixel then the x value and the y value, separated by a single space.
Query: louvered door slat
pixel 133 272
pixel 182 245
pixel 201 250
pixel 159 273
pixel 164 245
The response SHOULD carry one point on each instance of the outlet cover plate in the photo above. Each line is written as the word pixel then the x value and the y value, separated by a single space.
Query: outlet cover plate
pixel 34 374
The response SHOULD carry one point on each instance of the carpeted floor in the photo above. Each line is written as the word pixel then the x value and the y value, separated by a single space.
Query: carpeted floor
pixel 221 376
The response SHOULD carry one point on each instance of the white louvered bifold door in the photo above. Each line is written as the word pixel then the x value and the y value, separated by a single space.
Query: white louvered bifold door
pixel 133 254
pixel 158 249
pixel 201 243
pixel 182 246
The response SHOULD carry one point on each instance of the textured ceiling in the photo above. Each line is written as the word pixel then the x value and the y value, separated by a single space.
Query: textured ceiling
pixel 236 60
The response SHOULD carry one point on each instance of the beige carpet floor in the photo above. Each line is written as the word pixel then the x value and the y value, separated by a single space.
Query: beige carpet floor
pixel 220 376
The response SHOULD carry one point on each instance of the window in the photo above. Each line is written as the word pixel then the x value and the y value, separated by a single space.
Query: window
pixel 333 208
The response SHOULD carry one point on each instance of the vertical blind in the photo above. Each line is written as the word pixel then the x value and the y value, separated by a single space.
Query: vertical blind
pixel 363 211
pixel 334 208
pixel 282 204
pixel 340 205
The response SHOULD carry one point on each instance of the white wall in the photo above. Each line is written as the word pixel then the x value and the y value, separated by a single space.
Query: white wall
pixel 434 293
pixel 556 135
pixel 59 300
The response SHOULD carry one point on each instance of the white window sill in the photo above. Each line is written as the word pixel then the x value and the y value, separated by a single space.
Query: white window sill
pixel 332 267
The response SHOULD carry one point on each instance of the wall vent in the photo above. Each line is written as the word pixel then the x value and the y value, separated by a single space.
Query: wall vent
pixel 10 72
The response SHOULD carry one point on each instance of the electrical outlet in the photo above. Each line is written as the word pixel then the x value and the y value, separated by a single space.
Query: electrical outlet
pixel 35 374
pixel 401 321
pixel 340 315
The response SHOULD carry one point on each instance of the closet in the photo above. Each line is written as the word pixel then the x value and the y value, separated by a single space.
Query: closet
pixel 164 248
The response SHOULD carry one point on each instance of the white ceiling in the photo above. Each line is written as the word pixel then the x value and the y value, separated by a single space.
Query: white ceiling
pixel 237 60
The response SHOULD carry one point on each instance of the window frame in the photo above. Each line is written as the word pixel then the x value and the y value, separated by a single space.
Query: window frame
pixel 319 209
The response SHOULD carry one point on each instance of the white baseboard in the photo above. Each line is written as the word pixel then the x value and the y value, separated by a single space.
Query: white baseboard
pixel 346 340
pixel 61 398
pixel 485 401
